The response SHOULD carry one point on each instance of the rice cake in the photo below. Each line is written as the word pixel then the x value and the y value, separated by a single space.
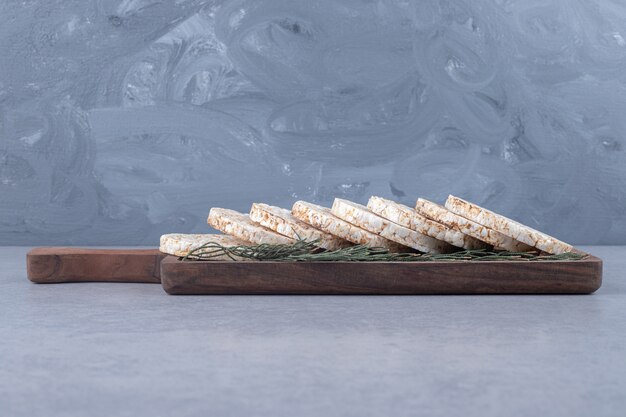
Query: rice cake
pixel 506 226
pixel 282 221
pixel 409 218
pixel 322 218
pixel 442 215
pixel 180 244
pixel 242 227
pixel 361 216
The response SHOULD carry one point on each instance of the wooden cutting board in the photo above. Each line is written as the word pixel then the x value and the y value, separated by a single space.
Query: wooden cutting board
pixel 385 278
pixel 50 265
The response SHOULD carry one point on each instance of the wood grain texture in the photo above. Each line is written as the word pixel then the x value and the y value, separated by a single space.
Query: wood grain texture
pixel 384 278
pixel 56 265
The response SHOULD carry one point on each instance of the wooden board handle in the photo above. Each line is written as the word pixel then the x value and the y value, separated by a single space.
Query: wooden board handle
pixel 55 265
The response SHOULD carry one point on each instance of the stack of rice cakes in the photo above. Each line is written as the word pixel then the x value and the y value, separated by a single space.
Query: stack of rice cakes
pixel 427 228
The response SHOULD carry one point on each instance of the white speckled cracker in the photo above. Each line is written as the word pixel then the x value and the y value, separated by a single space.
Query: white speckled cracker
pixel 507 226
pixel 282 221
pixel 179 244
pixel 242 227
pixel 361 216
pixel 407 217
pixel 321 218
pixel 442 215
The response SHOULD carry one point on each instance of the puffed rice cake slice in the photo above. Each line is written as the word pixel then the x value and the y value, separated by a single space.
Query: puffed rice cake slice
pixel 409 218
pixel 442 215
pixel 322 218
pixel 506 226
pixel 282 221
pixel 240 225
pixel 180 244
pixel 361 216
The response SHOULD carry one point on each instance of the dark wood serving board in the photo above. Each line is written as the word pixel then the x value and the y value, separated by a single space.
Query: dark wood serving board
pixel 385 278
pixel 51 265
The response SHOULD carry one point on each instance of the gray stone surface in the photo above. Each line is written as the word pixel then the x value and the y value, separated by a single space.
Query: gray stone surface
pixel 131 350
pixel 122 120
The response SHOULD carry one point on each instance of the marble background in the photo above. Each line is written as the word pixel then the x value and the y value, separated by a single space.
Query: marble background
pixel 123 120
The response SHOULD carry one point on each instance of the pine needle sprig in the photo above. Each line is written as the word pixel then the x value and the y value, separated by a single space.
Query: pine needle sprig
pixel 302 251
pixel 261 252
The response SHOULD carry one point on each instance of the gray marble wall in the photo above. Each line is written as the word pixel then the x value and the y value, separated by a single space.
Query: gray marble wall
pixel 124 119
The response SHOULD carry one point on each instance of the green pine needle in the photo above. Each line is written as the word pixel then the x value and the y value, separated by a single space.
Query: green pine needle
pixel 303 250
